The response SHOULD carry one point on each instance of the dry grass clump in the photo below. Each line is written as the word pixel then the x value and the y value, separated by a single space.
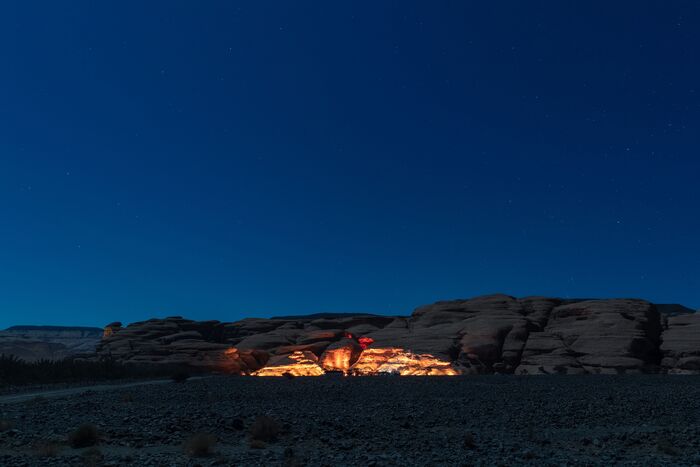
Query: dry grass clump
pixel 92 457
pixel 665 446
pixel 84 436
pixel 289 459
pixel 46 448
pixel 469 441
pixel 5 425
pixel 200 445
pixel 265 429
pixel 257 444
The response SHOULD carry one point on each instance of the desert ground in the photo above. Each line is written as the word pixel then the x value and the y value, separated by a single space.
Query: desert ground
pixel 370 421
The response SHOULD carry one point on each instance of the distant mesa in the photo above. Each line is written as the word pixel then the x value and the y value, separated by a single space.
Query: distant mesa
pixel 32 343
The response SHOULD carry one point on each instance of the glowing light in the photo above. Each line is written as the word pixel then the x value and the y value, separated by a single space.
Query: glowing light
pixel 402 362
pixel 365 342
pixel 296 364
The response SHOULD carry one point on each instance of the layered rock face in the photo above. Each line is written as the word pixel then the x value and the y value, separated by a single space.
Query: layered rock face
pixel 596 336
pixel 681 344
pixel 32 343
pixel 176 341
pixel 489 334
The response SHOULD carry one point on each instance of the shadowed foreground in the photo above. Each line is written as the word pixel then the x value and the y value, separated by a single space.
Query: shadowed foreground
pixel 574 420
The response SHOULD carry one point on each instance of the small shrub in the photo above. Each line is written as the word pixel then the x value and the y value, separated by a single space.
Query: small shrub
pixel 180 377
pixel 666 447
pixel 265 429
pixel 92 457
pixel 85 436
pixel 127 397
pixel 530 431
pixel 289 458
pixel 200 445
pixel 288 375
pixel 5 425
pixel 469 441
pixel 257 444
pixel 46 449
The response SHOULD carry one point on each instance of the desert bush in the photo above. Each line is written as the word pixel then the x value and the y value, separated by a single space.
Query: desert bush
pixel 469 442
pixel 265 429
pixel 46 448
pixel 84 436
pixel 665 446
pixel 5 425
pixel 92 457
pixel 127 397
pixel 289 458
pixel 256 444
pixel 236 424
pixel 200 445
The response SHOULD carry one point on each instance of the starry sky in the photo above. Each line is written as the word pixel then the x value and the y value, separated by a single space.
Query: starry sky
pixel 226 159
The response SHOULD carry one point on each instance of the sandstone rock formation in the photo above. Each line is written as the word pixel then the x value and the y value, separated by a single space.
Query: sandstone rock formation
pixel 595 336
pixel 32 343
pixel 176 341
pixel 681 344
pixel 489 334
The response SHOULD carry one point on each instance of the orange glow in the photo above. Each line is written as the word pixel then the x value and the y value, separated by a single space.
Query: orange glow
pixel 375 361
pixel 301 363
pixel 365 342
pixel 337 359
pixel 403 362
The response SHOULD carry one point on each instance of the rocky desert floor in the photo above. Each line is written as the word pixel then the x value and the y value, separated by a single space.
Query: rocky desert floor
pixel 370 421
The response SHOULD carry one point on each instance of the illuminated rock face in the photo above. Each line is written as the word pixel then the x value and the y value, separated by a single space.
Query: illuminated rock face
pixel 295 364
pixel 401 362
pixel 370 362
pixel 341 355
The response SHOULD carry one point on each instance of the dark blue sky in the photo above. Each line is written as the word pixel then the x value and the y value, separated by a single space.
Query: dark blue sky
pixel 224 159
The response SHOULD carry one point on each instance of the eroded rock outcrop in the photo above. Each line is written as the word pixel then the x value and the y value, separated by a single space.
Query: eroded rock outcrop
pixel 488 334
pixel 681 344
pixel 596 336
pixel 483 334
pixel 179 342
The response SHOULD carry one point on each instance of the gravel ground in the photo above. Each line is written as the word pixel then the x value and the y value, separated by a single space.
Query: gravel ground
pixel 371 421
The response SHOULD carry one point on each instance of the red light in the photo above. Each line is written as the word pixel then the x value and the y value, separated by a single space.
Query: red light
pixel 365 341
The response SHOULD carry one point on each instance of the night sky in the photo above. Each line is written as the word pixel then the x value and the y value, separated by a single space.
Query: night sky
pixel 226 159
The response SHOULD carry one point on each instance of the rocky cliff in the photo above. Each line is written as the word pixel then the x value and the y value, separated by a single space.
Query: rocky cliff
pixel 33 343
pixel 489 334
